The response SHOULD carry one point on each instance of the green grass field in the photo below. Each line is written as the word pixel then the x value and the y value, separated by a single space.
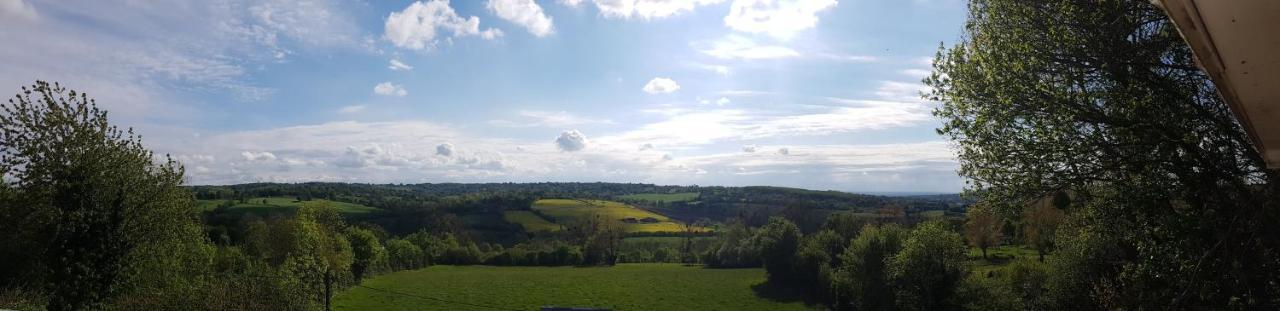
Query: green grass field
pixel 998 257
pixel 566 211
pixel 662 197
pixel 622 287
pixel 529 221
pixel 279 205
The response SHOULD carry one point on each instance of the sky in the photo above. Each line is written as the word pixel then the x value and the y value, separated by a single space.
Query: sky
pixel 817 94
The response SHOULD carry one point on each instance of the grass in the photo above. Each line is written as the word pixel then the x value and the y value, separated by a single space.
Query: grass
pixel 662 197
pixel 529 221
pixel 565 211
pixel 268 205
pixel 998 257
pixel 622 287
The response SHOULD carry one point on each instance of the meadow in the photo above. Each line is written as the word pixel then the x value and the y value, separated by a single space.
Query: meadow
pixel 287 205
pixel 622 287
pixel 661 197
pixel 565 211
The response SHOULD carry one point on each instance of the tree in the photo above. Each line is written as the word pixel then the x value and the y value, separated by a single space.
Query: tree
pixel 928 270
pixel 369 254
pixel 320 256
pixel 862 281
pixel 983 228
pixel 89 214
pixel 1039 224
pixel 403 255
pixel 779 240
pixel 1103 99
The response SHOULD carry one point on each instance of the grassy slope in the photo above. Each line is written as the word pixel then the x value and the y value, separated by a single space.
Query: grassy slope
pixel 530 221
pixel 566 210
pixel 280 204
pixel 623 287
pixel 662 197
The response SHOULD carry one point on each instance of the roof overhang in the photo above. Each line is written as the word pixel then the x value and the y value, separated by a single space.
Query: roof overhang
pixel 1237 42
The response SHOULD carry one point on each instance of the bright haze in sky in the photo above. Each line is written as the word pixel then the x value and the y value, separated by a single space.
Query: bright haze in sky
pixel 819 94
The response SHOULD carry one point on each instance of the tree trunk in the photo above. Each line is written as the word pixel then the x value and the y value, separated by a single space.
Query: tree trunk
pixel 984 252
pixel 328 291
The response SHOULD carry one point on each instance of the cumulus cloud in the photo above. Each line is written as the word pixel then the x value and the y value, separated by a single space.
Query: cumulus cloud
pixel 667 157
pixel 418 25
pixel 445 149
pixel 571 141
pixel 351 109
pixel 397 65
pixel 257 156
pixel 525 13
pixel 388 89
pixel 777 18
pixel 749 148
pixel 784 151
pixel 571 3
pixel 661 85
pixel 739 47
pixel 645 9
pixel 646 146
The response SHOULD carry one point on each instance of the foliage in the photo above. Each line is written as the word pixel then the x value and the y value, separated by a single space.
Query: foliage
pixel 929 268
pixel 779 241
pixel 862 281
pixel 89 215
pixel 736 247
pixel 1040 222
pixel 369 254
pixel 983 228
pixel 1103 99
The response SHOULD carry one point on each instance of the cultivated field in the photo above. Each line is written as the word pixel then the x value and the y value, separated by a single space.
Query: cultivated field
pixel 268 205
pixel 662 197
pixel 622 287
pixel 566 211
pixel 529 221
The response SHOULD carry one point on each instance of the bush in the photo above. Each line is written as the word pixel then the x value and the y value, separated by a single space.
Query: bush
pixel 928 270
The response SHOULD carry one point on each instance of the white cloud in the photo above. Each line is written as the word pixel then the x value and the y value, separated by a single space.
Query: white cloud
pixel 257 156
pixel 778 18
pixel 571 3
pixel 571 140
pixel 667 157
pixel 661 85
pixel 722 101
pixel 738 47
pixel 417 26
pixel 525 13
pixel 920 73
pixel 847 57
pixel 397 65
pixel 557 119
pixel 18 9
pixel 749 148
pixel 647 9
pixel 900 91
pixel 784 151
pixel 388 89
pixel 351 109
pixel 646 146
pixel 445 149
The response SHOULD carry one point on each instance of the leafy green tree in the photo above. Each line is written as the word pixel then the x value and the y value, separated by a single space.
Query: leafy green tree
pixel 91 216
pixel 779 240
pixel 320 256
pixel 370 255
pixel 818 254
pixel 928 270
pixel 862 280
pixel 1104 99
pixel 404 255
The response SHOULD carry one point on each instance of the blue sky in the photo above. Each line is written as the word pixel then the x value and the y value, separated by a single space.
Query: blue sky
pixel 816 94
